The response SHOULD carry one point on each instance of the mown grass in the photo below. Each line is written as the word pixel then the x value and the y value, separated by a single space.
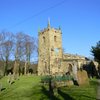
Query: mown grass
pixel 78 93
pixel 86 92
pixel 29 88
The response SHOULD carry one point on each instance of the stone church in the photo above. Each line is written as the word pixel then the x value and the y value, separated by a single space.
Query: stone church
pixel 52 60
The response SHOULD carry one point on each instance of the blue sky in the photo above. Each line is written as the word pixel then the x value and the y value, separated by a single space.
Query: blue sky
pixel 78 19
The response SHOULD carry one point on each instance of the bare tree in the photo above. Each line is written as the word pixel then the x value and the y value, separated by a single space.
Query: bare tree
pixel 6 45
pixel 29 49
pixel 18 51
pixel 19 47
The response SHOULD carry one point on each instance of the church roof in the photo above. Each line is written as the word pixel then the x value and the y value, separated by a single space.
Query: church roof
pixel 68 56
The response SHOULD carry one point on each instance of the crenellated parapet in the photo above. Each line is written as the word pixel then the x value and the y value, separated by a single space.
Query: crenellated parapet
pixel 45 30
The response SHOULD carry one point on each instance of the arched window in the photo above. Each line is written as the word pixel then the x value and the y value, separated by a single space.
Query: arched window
pixel 43 39
pixel 55 38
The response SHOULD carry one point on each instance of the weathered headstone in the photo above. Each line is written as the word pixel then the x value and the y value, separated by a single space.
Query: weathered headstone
pixel 10 79
pixel 82 77
pixel 70 83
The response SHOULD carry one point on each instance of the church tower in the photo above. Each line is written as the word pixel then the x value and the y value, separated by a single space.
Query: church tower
pixel 50 50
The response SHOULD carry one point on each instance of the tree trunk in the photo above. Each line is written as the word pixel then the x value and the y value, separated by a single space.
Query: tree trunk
pixel 16 69
pixel 5 65
pixel 25 68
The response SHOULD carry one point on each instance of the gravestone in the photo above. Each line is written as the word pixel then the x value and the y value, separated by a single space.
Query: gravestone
pixel 70 83
pixel 82 77
pixel 10 79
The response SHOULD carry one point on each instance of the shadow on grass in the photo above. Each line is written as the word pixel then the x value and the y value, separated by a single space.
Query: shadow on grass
pixel 53 97
pixel 89 97
pixel 48 94
pixel 3 89
pixel 64 95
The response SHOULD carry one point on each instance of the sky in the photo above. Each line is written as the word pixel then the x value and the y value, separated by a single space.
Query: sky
pixel 78 19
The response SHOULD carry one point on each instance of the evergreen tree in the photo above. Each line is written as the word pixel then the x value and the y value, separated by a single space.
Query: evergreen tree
pixel 96 52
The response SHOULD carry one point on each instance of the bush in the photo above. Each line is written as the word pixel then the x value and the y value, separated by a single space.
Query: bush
pixel 46 79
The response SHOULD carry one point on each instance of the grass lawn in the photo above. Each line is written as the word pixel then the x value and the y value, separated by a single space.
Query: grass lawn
pixel 29 88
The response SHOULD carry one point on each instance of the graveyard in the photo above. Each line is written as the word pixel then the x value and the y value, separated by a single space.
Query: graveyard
pixel 55 76
pixel 50 50
pixel 29 87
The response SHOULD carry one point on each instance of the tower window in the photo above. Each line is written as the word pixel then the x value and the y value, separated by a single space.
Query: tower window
pixel 44 39
pixel 55 38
